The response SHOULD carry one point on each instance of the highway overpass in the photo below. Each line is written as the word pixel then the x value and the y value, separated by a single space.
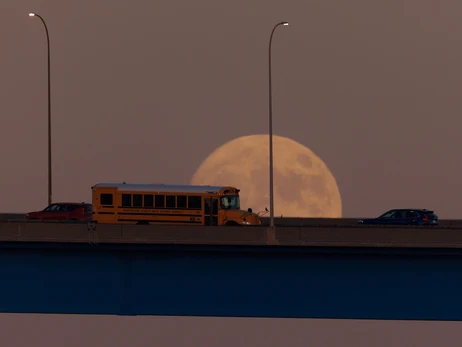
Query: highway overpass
pixel 323 271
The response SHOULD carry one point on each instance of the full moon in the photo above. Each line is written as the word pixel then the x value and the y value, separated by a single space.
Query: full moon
pixel 303 184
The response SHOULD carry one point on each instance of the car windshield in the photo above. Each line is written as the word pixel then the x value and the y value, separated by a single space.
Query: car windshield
pixel 230 202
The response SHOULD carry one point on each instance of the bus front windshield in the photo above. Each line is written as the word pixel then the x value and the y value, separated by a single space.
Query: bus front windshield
pixel 230 202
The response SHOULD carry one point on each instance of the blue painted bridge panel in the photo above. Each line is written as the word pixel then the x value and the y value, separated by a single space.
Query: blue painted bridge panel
pixel 231 281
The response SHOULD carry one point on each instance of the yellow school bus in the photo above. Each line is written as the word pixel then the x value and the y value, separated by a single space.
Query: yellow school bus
pixel 121 203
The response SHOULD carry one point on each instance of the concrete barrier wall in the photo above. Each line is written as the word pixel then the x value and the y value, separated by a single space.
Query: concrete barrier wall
pixel 289 221
pixel 370 237
pixel 250 236
pixel 300 222
pixel 12 216
pixel 44 232
pixel 279 221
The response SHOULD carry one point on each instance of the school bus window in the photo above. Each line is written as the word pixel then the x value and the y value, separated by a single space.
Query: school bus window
pixel 194 202
pixel 181 201
pixel 137 200
pixel 230 202
pixel 148 200
pixel 215 207
pixel 170 201
pixel 105 199
pixel 207 206
pixel 160 201
pixel 126 200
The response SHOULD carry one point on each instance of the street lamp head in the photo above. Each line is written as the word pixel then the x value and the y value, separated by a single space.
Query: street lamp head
pixel 32 14
pixel 285 23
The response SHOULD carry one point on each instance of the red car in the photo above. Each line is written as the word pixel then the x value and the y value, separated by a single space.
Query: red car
pixel 63 211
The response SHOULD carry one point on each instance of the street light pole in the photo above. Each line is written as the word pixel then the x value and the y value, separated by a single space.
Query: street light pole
pixel 271 130
pixel 32 14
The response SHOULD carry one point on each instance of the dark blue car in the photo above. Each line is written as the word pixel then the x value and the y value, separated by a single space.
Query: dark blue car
pixel 404 216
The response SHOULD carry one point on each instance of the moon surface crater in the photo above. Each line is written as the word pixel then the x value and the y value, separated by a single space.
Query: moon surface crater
pixel 303 184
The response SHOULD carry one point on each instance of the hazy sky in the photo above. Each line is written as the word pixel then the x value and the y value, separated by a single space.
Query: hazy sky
pixel 143 91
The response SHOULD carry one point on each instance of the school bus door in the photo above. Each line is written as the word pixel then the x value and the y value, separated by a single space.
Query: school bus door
pixel 211 211
pixel 105 205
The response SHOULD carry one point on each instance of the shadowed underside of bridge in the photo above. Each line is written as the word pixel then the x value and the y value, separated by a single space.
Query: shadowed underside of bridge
pixel 235 281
